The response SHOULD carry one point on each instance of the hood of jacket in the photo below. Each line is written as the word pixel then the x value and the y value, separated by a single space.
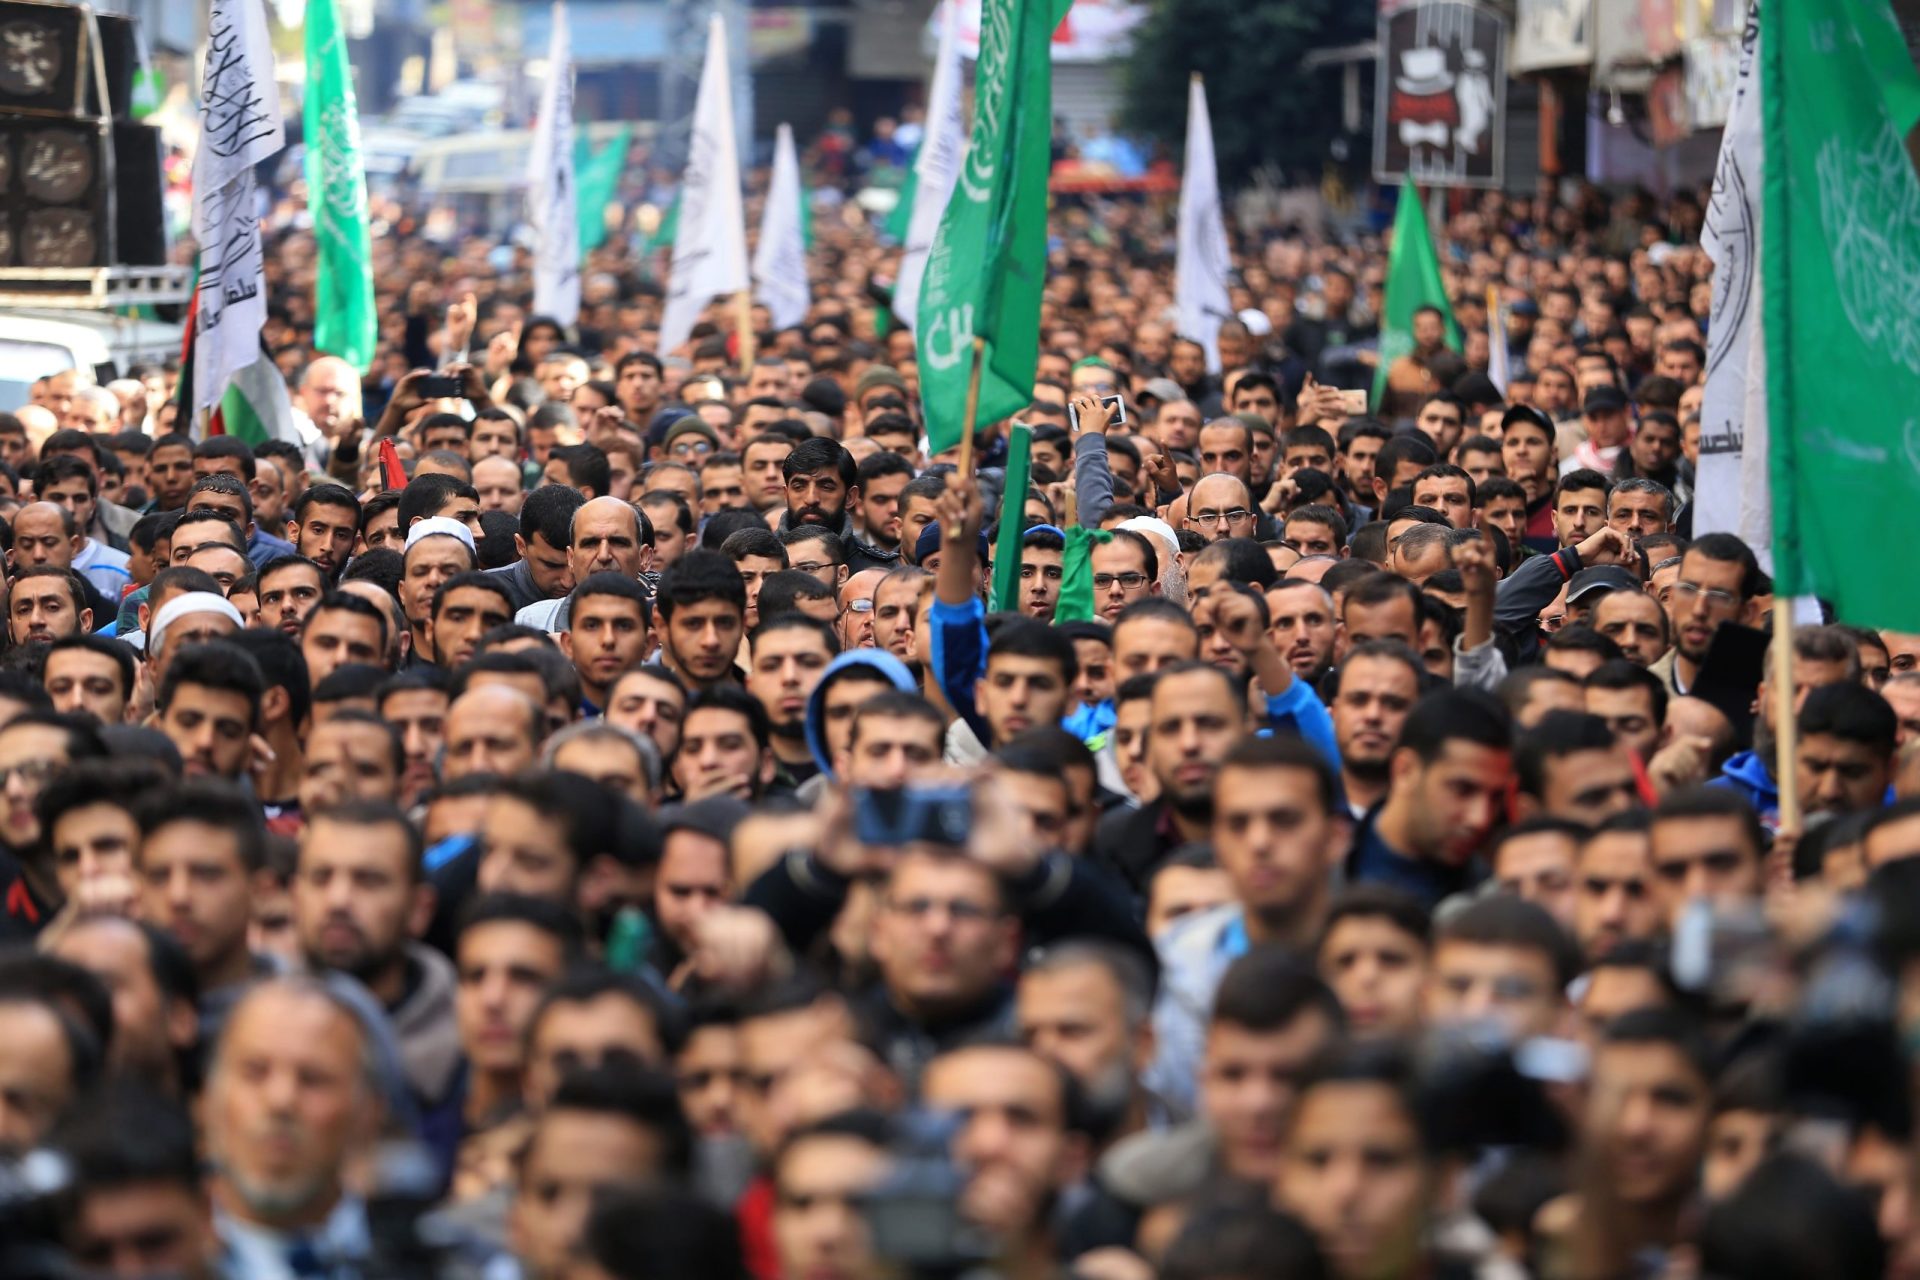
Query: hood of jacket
pixel 879 660
pixel 424 1025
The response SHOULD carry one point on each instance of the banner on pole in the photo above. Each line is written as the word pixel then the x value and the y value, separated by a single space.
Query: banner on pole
pixel 1440 117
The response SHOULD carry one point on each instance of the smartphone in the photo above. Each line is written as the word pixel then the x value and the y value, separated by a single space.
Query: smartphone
pixel 442 386
pixel 1353 403
pixel 1119 419
pixel 912 815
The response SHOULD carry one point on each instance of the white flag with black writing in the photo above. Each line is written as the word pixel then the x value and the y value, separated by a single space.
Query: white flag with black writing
pixel 935 168
pixel 780 259
pixel 710 244
pixel 551 198
pixel 1201 266
pixel 241 124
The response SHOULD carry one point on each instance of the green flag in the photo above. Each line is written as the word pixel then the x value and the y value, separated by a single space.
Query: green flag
pixel 1413 282
pixel 902 212
pixel 1013 521
pixel 343 318
pixel 1076 575
pixel 596 176
pixel 989 258
pixel 663 235
pixel 1839 250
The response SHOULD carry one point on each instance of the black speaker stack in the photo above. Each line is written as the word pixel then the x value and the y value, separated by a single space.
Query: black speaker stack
pixel 81 182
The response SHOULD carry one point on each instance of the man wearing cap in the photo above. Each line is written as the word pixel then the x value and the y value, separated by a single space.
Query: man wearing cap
pixel 1588 587
pixel 688 441
pixel 192 618
pixel 1604 414
pixel 437 548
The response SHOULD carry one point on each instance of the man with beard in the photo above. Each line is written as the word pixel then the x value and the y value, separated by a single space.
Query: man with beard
pixel 790 654
pixel 607 536
pixel 1718 581
pixel 881 478
pixel 359 900
pixel 1301 625
pixel 822 487
pixel 324 524
pixel 1378 684
pixel 703 605
pixel 1088 1005
pixel 1447 786
pixel 290 588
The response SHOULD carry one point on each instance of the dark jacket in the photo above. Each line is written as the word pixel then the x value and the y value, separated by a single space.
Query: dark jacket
pixel 859 554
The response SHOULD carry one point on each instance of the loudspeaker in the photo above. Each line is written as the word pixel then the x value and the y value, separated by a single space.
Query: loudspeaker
pixel 121 58
pixel 56 193
pixel 139 189
pixel 46 58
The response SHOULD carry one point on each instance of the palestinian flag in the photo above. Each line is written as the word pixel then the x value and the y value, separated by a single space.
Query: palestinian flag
pixel 256 406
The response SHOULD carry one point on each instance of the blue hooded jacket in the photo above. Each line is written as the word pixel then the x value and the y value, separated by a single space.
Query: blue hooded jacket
pixel 880 660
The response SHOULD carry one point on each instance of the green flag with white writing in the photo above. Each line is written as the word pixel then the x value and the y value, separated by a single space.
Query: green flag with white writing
pixel 1413 282
pixel 989 259
pixel 343 317
pixel 1839 255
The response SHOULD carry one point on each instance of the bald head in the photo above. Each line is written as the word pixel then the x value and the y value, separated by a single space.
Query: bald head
pixel 606 539
pixel 1212 498
pixel 492 728
pixel 330 392
pixel 43 534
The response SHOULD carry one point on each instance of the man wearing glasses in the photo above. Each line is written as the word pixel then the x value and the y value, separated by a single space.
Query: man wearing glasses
pixel 1718 581
pixel 1221 507
pixel 1124 570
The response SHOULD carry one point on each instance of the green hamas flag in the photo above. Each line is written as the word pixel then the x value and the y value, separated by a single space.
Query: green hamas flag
pixel 663 235
pixel 1013 522
pixel 596 176
pixel 1839 251
pixel 1076 575
pixel 343 318
pixel 989 258
pixel 1413 282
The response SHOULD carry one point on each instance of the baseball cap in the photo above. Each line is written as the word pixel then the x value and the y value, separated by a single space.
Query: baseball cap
pixel 1163 390
pixel 1600 580
pixel 1605 400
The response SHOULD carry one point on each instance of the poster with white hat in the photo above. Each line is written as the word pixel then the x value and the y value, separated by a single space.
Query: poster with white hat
pixel 1441 117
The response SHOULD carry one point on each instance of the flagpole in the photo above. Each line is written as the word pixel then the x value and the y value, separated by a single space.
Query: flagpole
pixel 1786 734
pixel 973 407
pixel 743 305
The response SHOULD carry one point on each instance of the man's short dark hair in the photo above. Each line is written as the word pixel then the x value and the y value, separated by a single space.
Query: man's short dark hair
pixel 326 495
pixel 1503 920
pixel 1031 638
pixel 1449 715
pixel 1726 548
pixel 107 647
pixel 587 467
pixel 1269 988
pixel 222 483
pixel 1286 752
pixel 731 697
pixel 1620 676
pixel 214 665
pixel 817 453
pixel 700 575
pixel 1402 447
pixel 223 447
pixel 282 666
pixel 610 583
pixel 1852 713
pixel 1711 802
pixel 781 593
pixel 212 802
pixel 548 512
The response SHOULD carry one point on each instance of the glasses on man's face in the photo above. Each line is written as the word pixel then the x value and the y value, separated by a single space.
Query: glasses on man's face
pixel 690 448
pixel 814 566
pixel 1051 572
pixel 1237 515
pixel 1127 581
pixel 859 606
pixel 1684 590
pixel 32 773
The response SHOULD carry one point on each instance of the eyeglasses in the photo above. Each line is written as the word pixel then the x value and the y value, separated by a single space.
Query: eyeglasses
pixel 1685 590
pixel 814 566
pixel 31 772
pixel 860 606
pixel 682 448
pixel 1237 515
pixel 1127 581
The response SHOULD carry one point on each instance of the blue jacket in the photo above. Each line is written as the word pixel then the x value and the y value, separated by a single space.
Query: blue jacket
pixel 878 659
pixel 1747 773
pixel 960 657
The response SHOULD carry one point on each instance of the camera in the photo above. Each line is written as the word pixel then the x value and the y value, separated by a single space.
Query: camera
pixel 914 1214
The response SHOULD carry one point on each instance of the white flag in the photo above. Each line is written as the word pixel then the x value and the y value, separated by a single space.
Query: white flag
pixel 1731 485
pixel 241 124
pixel 550 190
pixel 780 259
pixel 710 244
pixel 935 169
pixel 1203 261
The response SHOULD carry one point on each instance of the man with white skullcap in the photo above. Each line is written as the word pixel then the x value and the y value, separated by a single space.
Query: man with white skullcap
pixel 437 548
pixel 192 618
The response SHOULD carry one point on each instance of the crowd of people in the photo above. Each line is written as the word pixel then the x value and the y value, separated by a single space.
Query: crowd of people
pixel 632 847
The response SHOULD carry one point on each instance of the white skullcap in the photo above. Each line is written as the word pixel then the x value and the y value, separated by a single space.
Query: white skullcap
pixel 438 527
pixel 1154 527
pixel 1256 321
pixel 192 602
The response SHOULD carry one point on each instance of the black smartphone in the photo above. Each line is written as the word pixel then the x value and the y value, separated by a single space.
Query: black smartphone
pixel 913 815
pixel 442 386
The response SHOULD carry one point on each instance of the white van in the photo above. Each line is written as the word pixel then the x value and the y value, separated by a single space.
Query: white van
pixel 35 343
